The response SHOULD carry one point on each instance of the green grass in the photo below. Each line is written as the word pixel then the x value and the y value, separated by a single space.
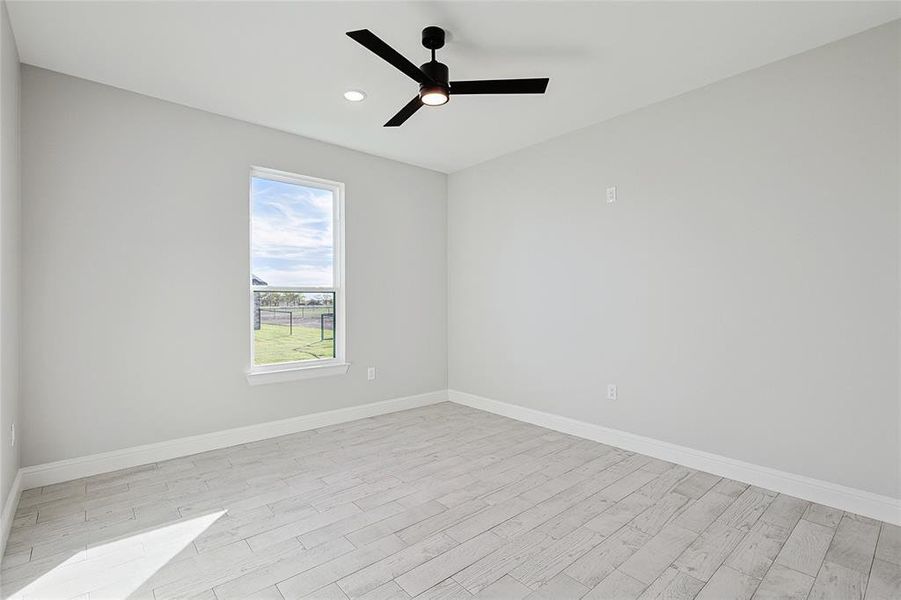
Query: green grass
pixel 273 344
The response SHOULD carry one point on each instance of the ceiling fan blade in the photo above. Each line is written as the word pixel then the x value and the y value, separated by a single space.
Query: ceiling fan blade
pixel 375 44
pixel 500 86
pixel 405 113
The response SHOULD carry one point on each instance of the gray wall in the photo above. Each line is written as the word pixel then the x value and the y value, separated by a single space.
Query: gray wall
pixel 9 253
pixel 743 290
pixel 132 206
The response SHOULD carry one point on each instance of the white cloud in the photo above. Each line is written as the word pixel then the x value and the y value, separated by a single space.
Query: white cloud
pixel 292 235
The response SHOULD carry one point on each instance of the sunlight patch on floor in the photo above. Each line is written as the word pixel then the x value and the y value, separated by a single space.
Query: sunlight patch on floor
pixel 117 569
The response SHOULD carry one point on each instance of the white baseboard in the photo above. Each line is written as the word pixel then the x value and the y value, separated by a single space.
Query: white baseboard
pixel 868 504
pixel 85 466
pixel 9 510
pixel 883 508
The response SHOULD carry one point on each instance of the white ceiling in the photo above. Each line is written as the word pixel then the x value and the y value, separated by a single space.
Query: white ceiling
pixel 287 64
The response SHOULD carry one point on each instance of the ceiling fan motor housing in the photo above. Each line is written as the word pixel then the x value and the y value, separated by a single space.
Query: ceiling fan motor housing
pixel 436 71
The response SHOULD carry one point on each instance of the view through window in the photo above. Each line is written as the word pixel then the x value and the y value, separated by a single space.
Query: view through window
pixel 294 269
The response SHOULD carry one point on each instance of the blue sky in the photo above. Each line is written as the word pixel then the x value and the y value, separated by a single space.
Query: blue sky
pixel 292 234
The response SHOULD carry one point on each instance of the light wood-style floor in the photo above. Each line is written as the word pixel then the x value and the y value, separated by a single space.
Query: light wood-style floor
pixel 438 502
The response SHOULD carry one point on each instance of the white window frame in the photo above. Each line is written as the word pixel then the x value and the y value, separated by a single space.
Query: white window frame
pixel 302 369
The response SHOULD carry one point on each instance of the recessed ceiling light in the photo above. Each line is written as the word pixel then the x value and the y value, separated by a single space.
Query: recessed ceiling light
pixel 355 95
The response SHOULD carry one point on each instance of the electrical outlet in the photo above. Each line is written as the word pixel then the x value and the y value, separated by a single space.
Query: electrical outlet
pixel 611 195
pixel 611 391
pixel 370 374
pixel 12 434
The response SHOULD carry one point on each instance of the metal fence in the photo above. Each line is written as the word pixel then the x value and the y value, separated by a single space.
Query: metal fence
pixel 318 317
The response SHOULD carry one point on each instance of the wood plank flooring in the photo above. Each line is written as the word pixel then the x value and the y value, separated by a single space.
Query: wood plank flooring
pixel 441 502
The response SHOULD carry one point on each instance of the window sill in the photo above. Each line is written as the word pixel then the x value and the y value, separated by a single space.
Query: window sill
pixel 295 373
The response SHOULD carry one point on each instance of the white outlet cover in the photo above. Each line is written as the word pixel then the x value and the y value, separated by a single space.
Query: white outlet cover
pixel 611 195
pixel 611 392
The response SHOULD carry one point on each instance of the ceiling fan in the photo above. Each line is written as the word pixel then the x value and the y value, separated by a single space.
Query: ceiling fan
pixel 434 86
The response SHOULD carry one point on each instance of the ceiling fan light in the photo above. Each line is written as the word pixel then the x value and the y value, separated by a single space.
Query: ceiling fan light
pixel 433 96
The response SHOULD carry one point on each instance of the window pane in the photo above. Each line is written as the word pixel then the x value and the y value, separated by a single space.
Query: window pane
pixel 293 245
pixel 293 326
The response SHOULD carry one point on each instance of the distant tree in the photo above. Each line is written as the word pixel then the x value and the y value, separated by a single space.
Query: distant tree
pixel 292 298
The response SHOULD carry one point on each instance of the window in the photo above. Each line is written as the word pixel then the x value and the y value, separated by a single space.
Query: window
pixel 296 286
